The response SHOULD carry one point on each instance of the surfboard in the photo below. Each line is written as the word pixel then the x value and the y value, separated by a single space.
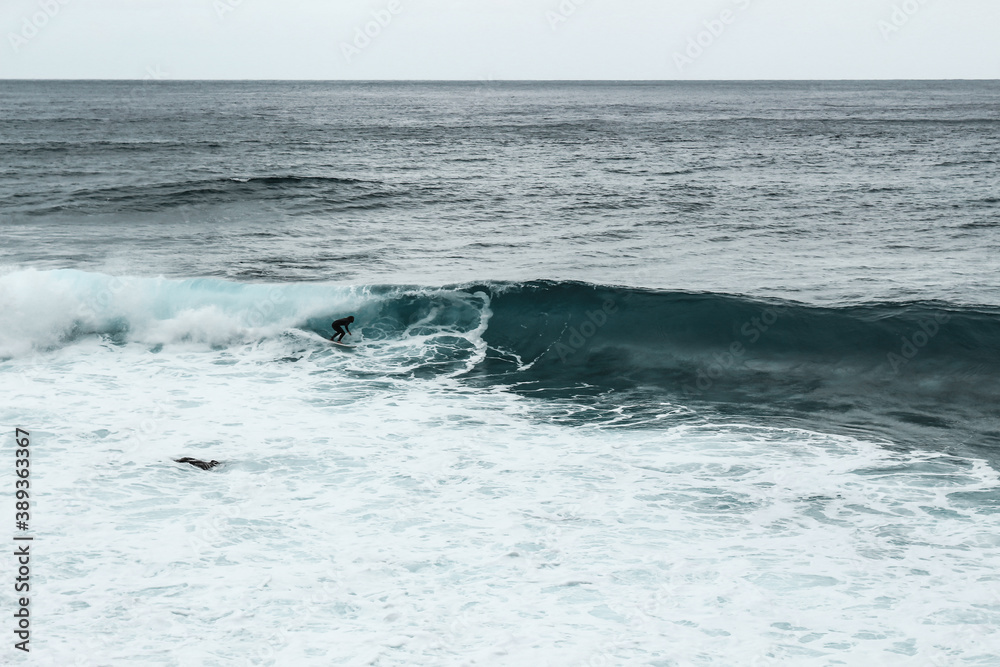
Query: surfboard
pixel 342 344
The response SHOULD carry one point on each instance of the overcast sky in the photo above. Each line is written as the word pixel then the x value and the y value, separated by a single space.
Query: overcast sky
pixel 500 39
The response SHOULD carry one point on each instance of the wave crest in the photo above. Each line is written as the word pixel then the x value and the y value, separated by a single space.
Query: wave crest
pixel 917 370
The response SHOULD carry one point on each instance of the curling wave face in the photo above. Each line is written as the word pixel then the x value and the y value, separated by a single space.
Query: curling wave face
pixel 916 372
pixel 913 372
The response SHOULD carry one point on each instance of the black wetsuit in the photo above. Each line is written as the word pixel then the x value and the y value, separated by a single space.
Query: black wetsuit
pixel 337 330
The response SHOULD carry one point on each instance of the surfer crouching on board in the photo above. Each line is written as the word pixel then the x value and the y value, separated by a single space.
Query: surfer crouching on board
pixel 338 333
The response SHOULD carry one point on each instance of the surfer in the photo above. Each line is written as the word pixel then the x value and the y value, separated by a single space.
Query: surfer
pixel 337 331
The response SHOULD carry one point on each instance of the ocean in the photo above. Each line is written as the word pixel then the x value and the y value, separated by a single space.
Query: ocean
pixel 645 374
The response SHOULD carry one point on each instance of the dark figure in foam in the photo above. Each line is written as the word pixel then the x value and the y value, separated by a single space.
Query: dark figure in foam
pixel 338 332
pixel 198 463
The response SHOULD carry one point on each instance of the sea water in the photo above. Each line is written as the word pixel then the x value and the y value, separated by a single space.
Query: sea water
pixel 643 374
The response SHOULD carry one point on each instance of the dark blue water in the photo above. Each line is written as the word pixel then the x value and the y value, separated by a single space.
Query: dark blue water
pixel 819 192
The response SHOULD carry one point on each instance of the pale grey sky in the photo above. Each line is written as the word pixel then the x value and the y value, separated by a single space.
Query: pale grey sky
pixel 500 39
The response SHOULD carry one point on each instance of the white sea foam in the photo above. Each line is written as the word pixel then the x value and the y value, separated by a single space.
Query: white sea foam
pixel 382 519
pixel 45 309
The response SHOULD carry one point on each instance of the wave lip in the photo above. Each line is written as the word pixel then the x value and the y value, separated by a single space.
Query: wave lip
pixel 409 331
pixel 50 309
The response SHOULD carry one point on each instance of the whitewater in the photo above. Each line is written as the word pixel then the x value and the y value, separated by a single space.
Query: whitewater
pixel 425 499
pixel 642 374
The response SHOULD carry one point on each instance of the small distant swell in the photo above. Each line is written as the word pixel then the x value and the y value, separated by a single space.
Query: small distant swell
pixel 94 148
pixel 314 192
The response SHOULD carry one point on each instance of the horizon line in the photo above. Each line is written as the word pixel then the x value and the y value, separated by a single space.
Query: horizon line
pixel 239 80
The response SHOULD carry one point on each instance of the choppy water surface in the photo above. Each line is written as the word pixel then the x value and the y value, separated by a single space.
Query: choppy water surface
pixel 645 374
